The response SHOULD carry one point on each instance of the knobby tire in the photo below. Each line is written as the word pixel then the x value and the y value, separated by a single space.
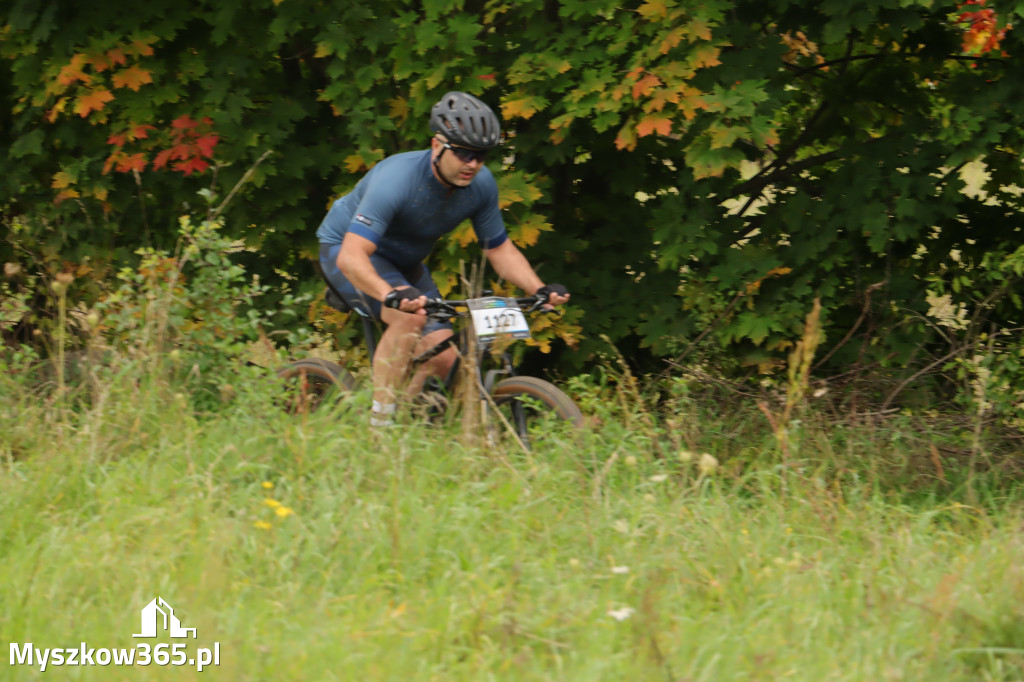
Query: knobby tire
pixel 550 396
pixel 313 382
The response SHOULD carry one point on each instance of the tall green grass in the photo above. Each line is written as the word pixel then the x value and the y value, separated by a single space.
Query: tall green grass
pixel 312 548
pixel 699 539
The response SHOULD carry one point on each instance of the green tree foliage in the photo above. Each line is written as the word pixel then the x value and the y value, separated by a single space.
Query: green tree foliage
pixel 709 169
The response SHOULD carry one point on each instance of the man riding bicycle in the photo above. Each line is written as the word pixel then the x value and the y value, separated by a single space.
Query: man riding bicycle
pixel 374 240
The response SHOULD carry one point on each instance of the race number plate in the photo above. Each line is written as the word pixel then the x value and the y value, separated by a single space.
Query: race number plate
pixel 494 316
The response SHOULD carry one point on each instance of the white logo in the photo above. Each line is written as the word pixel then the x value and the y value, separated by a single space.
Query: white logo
pixel 170 621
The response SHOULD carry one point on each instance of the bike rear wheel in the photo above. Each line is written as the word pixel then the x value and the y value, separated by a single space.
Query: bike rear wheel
pixel 526 401
pixel 313 382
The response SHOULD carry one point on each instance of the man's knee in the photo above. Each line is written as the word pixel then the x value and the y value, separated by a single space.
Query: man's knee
pixel 404 323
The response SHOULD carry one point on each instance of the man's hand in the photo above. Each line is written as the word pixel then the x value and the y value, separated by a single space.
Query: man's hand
pixel 407 300
pixel 556 294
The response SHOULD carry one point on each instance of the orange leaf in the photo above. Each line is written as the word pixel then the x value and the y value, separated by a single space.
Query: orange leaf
pixel 142 46
pixel 66 194
pixel 100 62
pixel 73 72
pixel 672 39
pixel 118 140
pixel 661 97
pixel 139 132
pixel 132 162
pixel 94 101
pixel 649 125
pixel 132 77
pixel 626 139
pixel 645 85
pixel 116 57
pixel 705 56
pixel 57 109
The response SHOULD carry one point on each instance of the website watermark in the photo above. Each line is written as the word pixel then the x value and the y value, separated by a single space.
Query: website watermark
pixel 157 616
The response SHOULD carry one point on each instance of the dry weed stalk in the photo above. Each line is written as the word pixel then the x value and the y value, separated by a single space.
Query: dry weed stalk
pixel 799 371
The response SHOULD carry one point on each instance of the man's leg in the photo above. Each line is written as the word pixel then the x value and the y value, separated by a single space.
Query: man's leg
pixel 391 361
pixel 438 366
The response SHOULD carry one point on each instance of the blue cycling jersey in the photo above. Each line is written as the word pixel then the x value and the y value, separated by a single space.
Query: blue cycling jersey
pixel 402 208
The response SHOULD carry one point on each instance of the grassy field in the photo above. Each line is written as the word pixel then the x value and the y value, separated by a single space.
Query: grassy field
pixel 311 549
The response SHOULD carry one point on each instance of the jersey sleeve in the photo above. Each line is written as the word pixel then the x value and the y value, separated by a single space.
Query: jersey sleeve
pixel 376 209
pixel 487 220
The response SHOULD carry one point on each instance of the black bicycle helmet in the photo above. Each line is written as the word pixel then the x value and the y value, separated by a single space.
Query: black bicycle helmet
pixel 465 121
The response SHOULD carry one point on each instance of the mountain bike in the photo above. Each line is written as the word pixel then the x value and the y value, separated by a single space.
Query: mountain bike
pixel 492 324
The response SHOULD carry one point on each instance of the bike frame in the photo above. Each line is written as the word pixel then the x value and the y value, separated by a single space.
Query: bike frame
pixel 446 310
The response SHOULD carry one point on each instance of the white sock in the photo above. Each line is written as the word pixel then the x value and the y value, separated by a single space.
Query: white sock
pixel 381 414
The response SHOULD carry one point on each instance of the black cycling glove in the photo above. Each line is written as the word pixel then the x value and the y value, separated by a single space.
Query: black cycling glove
pixel 548 289
pixel 396 296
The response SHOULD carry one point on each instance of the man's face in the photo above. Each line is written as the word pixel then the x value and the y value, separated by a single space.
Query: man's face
pixel 458 165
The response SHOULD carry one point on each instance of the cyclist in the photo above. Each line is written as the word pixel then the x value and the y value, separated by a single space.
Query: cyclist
pixel 374 240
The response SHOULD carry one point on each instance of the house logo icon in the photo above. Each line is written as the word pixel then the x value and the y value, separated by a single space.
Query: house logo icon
pixel 151 622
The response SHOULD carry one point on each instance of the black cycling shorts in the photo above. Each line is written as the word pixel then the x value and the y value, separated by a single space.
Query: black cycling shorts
pixel 418 276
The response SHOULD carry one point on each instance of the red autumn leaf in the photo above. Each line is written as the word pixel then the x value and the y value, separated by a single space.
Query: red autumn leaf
pixel 118 139
pixel 194 164
pixel 206 143
pixel 139 132
pixel 183 123
pixel 486 77
pixel 94 101
pixel 181 151
pixel 132 77
pixel 161 159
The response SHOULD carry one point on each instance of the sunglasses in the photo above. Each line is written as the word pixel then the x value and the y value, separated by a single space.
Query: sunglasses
pixel 466 155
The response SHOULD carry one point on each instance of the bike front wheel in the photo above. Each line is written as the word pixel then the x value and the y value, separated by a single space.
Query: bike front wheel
pixel 313 382
pixel 528 401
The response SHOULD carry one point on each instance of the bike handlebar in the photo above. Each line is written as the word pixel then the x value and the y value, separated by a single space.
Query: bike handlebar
pixel 447 309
